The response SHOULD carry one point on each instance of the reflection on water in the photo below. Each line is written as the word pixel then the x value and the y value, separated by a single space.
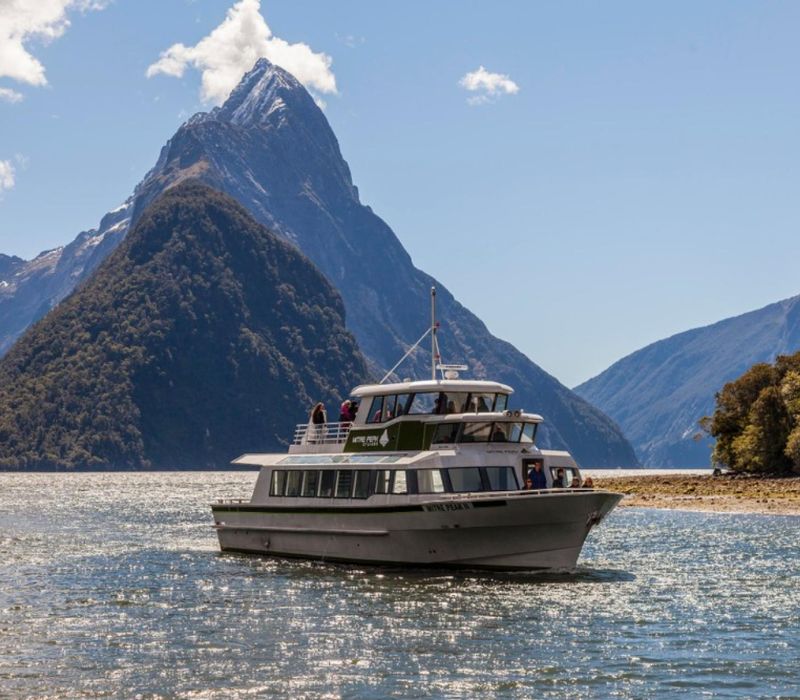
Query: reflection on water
pixel 112 584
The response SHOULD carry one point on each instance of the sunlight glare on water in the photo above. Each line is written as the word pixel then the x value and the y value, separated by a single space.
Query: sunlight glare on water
pixel 113 585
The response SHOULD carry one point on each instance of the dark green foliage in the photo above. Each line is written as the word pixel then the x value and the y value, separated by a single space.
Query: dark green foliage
pixel 757 419
pixel 201 337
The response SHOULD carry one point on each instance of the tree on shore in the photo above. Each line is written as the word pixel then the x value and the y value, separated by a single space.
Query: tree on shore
pixel 756 421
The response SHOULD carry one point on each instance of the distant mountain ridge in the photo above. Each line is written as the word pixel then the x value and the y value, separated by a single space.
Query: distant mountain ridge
pixel 201 337
pixel 271 148
pixel 657 394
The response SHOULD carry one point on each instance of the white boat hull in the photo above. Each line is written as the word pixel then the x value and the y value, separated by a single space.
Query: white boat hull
pixel 515 531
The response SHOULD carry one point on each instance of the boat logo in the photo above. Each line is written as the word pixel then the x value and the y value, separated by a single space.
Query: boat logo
pixel 384 439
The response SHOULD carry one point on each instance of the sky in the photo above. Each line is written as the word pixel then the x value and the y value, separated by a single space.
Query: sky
pixel 587 177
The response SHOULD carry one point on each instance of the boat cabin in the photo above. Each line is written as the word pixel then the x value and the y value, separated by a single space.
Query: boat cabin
pixel 415 438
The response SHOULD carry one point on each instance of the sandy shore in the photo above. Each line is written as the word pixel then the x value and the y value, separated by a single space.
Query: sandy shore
pixel 727 493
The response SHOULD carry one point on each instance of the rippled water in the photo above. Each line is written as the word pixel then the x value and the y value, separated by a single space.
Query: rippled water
pixel 112 585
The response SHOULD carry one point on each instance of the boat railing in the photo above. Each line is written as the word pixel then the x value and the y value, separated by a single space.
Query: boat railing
pixel 321 433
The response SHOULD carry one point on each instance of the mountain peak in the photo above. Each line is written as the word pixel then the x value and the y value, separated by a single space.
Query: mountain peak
pixel 263 90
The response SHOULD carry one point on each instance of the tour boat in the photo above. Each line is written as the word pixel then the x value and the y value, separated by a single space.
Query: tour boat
pixel 427 473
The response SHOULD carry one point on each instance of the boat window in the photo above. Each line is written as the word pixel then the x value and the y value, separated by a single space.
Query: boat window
pixel 376 410
pixel 501 402
pixel 514 432
pixel 563 477
pixel 528 432
pixel 476 432
pixel 294 479
pixel 382 481
pixel 326 482
pixel 480 403
pixel 502 479
pixel 429 481
pixel 310 483
pixel 399 484
pixel 500 432
pixel 455 402
pixel 388 408
pixel 445 432
pixel 344 483
pixel 361 488
pixel 424 404
pixel 278 483
pixel 465 479
pixel 401 408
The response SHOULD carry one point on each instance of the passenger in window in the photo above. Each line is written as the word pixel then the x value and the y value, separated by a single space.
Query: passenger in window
pixel 438 405
pixel 558 479
pixel 536 477
pixel 498 434
pixel 451 407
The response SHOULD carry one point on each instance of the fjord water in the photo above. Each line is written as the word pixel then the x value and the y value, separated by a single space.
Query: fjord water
pixel 111 585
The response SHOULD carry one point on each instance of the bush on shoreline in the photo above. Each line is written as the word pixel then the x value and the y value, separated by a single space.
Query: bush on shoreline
pixel 756 421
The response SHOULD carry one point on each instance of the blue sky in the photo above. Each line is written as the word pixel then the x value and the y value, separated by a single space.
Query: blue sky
pixel 642 180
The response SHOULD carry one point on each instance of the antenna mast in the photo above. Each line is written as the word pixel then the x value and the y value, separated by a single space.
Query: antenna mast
pixel 434 327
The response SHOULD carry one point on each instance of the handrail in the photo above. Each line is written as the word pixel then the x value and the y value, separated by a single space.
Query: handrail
pixel 321 433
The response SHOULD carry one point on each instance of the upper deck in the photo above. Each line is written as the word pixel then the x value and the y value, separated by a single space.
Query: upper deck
pixel 418 415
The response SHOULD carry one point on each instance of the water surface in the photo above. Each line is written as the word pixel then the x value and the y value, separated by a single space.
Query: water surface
pixel 111 585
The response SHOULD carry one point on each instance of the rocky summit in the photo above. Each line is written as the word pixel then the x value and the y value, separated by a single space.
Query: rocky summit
pixel 271 148
pixel 201 337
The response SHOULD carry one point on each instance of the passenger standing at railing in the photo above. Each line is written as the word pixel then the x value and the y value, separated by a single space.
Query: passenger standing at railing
pixel 317 421
pixel 344 412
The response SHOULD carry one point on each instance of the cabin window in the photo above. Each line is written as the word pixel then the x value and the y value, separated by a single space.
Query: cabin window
pixel 514 432
pixel 382 481
pixel 500 432
pixel 528 432
pixel 429 481
pixel 310 483
pixel 399 484
pixel 294 480
pixel 424 404
pixel 388 408
pixel 344 483
pixel 501 402
pixel 445 432
pixel 480 403
pixel 376 410
pixel 401 407
pixel 465 479
pixel 476 432
pixel 326 483
pixel 361 488
pixel 278 483
pixel 455 402
pixel 501 479
pixel 563 477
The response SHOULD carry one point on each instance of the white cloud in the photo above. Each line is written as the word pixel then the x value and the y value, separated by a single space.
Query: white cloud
pixel 232 48
pixel 23 21
pixel 10 95
pixel 6 175
pixel 487 86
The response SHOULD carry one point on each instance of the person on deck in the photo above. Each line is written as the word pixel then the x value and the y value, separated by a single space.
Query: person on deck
pixel 536 477
pixel 317 421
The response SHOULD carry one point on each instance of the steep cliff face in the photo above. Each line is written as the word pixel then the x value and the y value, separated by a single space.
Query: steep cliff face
pixel 271 148
pixel 659 393
pixel 202 336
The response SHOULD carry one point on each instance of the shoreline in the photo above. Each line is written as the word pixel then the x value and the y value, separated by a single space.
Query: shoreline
pixel 728 493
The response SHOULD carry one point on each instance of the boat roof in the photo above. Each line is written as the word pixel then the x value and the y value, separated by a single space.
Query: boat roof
pixel 427 385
